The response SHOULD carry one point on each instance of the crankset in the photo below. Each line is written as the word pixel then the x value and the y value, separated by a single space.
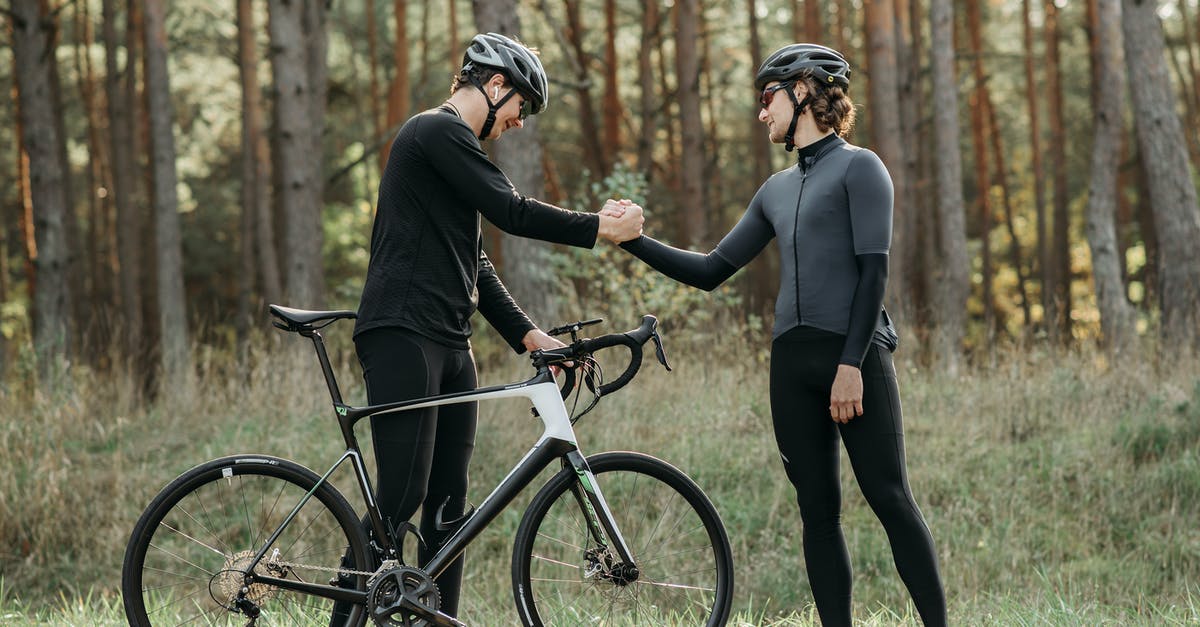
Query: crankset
pixel 402 596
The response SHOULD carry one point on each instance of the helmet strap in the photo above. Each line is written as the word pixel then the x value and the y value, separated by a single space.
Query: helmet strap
pixel 798 108
pixel 493 107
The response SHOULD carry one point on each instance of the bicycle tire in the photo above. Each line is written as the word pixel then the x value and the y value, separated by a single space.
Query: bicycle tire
pixel 181 561
pixel 675 533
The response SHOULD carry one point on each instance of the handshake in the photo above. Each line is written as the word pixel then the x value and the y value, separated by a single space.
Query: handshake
pixel 620 220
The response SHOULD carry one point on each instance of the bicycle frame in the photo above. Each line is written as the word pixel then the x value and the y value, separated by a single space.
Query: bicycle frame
pixel 556 442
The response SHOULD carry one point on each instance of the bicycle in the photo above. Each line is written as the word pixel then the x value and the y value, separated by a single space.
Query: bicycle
pixel 250 538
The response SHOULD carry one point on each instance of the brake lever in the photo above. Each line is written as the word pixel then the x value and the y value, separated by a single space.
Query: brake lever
pixel 660 351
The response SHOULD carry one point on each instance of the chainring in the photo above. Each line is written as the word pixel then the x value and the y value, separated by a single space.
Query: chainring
pixel 386 589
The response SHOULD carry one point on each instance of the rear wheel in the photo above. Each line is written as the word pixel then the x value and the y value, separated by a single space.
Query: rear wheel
pixel 186 560
pixel 684 566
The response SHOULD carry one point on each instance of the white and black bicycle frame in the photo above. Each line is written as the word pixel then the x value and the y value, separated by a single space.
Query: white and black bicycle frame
pixel 556 442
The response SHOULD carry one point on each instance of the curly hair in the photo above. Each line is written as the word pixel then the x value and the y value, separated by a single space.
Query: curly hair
pixel 830 106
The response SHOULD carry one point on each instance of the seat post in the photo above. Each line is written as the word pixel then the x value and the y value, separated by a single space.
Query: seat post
pixel 326 369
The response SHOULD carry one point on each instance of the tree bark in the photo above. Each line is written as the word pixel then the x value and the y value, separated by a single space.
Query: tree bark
pixel 979 143
pixel 174 358
pixel 951 282
pixel 694 213
pixel 259 229
pixel 577 55
pixel 526 271
pixel 378 122
pixel 886 140
pixel 651 31
pixel 98 271
pixel 1172 189
pixel 612 96
pixel 295 88
pixel 813 31
pixel 1061 323
pixel 997 144
pixel 452 18
pixel 908 97
pixel 33 54
pixel 398 89
pixel 1045 267
pixel 1116 314
pixel 760 145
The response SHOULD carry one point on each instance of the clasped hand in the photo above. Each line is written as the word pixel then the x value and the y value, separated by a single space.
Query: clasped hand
pixel 620 221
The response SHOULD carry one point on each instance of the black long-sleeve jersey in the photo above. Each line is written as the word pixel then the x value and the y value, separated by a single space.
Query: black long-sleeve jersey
pixel 428 272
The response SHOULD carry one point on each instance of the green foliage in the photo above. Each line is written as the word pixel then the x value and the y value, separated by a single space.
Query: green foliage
pixel 615 285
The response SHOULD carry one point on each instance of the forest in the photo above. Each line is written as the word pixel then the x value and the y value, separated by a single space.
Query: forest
pixel 170 168
pixel 173 167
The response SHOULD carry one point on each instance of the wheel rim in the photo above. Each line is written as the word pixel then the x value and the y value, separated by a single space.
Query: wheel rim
pixel 193 565
pixel 573 581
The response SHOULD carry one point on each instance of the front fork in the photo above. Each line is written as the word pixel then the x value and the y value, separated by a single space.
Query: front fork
pixel 601 525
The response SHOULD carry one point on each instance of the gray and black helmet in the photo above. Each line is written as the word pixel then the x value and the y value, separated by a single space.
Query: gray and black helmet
pixel 827 65
pixel 517 62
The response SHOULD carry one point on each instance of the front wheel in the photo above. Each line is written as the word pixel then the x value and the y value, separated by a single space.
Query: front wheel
pixel 684 564
pixel 189 552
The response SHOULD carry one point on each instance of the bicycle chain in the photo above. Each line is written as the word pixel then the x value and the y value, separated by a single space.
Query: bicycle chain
pixel 273 561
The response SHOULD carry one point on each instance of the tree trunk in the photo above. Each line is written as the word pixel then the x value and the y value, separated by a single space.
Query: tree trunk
pixel 378 122
pixel 173 357
pixel 527 271
pixel 908 94
pixel 259 229
pixel 594 155
pixel 1061 324
pixel 651 31
pixel 979 144
pixel 452 18
pixel 951 281
pixel 78 315
pixel 760 145
pixel 612 97
pixel 813 31
pixel 295 88
pixel 842 18
pixel 1116 314
pixel 797 21
pixel 33 56
pixel 398 89
pixel 423 77
pixel 886 139
pixel 694 213
pixel 1172 189
pixel 997 145
pixel 1190 90
pixel 1045 267
pixel 97 299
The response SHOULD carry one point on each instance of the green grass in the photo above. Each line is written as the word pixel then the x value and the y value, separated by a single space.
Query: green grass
pixel 1059 489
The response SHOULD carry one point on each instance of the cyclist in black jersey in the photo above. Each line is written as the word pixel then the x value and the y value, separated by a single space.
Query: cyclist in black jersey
pixel 831 368
pixel 428 274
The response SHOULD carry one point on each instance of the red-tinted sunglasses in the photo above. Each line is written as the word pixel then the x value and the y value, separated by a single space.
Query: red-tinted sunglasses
pixel 768 95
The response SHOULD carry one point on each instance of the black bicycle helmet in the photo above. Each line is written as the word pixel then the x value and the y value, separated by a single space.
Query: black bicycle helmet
pixel 828 66
pixel 517 62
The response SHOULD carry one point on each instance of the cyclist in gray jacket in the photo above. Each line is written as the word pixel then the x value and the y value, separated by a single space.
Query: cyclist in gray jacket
pixel 832 375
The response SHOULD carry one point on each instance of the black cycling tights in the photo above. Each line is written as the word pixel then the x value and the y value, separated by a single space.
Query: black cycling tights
pixel 803 364
pixel 421 455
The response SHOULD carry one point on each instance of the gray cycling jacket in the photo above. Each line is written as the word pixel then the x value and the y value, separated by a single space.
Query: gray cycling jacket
pixel 823 211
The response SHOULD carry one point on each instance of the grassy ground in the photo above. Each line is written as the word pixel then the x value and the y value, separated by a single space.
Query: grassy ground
pixel 1059 489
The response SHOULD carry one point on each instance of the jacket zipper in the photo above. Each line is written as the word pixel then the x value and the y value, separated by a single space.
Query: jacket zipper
pixel 796 242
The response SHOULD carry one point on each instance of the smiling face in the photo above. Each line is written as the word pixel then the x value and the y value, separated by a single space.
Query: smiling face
pixel 510 114
pixel 775 108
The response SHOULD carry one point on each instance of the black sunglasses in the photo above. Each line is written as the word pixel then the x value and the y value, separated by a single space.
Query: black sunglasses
pixel 768 95
pixel 526 107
